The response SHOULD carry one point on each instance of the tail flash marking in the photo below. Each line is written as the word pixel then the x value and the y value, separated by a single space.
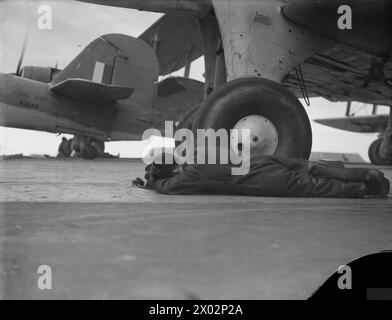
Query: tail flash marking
pixel 98 72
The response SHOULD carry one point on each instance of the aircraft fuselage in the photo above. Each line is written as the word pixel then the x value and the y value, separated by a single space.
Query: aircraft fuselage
pixel 29 104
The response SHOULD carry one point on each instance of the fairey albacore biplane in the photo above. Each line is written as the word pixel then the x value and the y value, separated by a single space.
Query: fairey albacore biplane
pixel 372 123
pixel 109 92
pixel 262 55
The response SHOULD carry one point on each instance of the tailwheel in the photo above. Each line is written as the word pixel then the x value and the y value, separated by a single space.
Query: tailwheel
pixel 277 120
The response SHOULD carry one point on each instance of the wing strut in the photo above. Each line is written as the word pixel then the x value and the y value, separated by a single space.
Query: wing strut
pixel 348 108
pixel 302 86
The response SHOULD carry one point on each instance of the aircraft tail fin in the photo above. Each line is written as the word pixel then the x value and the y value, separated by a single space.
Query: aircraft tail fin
pixel 115 60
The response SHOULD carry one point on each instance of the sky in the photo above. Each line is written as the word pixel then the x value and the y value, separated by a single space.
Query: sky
pixel 74 25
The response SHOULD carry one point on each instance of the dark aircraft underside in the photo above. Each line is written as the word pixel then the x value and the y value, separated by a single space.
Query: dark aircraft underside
pixel 343 73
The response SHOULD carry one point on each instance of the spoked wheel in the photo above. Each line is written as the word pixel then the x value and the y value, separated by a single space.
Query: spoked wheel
pixel 276 119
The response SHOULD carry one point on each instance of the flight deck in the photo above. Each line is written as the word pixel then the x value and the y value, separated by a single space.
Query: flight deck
pixel 104 239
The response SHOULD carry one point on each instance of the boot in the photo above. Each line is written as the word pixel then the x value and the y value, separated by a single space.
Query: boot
pixel 374 176
pixel 380 189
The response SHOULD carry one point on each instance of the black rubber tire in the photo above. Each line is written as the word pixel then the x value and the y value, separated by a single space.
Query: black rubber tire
pixel 374 154
pixel 187 119
pixel 258 96
pixel 186 122
pixel 99 145
pixel 89 153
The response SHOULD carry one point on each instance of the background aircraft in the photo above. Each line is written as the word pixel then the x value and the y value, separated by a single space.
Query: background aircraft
pixel 107 93
pixel 255 49
pixel 374 123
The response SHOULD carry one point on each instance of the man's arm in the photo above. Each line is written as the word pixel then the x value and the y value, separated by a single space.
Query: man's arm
pixel 184 182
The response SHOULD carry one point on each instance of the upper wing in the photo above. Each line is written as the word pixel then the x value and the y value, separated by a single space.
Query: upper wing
pixel 363 124
pixel 91 91
pixel 178 40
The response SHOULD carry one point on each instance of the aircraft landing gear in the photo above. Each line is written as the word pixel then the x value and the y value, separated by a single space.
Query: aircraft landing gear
pixel 244 69
pixel 380 151
pixel 278 122
pixel 87 147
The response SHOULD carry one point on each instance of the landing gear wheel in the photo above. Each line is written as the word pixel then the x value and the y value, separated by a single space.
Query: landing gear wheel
pixel 88 153
pixel 263 134
pixel 98 145
pixel 277 120
pixel 93 149
pixel 187 119
pixel 374 153
pixel 186 122
pixel 88 147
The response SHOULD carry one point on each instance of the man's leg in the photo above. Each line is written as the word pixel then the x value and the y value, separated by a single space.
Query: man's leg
pixel 301 178
pixel 373 179
pixel 332 170
pixel 325 170
pixel 329 188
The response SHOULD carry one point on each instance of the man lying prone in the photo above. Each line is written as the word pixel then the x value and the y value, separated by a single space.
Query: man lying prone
pixel 267 176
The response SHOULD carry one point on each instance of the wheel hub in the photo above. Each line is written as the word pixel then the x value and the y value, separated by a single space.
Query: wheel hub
pixel 263 138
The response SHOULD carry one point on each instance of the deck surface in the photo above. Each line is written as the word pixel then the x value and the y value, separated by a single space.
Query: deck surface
pixel 106 240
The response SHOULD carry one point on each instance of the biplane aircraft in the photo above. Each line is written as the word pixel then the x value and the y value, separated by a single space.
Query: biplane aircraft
pixel 374 123
pixel 109 92
pixel 262 55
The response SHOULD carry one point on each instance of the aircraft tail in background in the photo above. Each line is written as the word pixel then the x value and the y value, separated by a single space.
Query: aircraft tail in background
pixel 113 66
